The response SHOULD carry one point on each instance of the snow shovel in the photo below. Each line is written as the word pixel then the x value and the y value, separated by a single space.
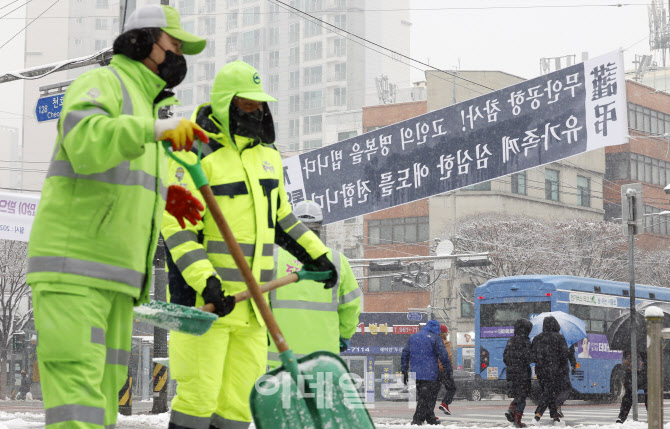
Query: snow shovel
pixel 286 398
pixel 190 320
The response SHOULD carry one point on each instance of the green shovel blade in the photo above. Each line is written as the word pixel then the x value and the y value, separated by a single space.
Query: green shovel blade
pixel 324 397
pixel 175 317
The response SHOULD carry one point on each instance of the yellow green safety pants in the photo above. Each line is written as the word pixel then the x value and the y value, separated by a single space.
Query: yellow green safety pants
pixel 215 374
pixel 83 347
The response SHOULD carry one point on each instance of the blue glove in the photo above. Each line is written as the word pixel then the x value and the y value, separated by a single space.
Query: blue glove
pixel 344 344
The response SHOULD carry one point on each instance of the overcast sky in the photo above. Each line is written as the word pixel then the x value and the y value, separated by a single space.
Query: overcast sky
pixel 506 35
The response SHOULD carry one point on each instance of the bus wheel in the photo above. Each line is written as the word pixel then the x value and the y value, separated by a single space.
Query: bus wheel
pixel 616 386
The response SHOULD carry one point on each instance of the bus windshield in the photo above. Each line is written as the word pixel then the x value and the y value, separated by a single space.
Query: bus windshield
pixel 497 315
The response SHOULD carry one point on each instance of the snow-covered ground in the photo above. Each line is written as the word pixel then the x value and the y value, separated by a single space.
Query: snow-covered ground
pixel 160 421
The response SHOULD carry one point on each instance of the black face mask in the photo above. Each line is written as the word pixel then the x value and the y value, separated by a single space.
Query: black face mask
pixel 173 69
pixel 245 124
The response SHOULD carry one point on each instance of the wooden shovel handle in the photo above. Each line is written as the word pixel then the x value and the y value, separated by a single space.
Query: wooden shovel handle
pixel 267 287
pixel 242 265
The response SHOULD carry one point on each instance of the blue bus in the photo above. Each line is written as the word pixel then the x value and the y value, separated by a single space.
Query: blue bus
pixel 501 301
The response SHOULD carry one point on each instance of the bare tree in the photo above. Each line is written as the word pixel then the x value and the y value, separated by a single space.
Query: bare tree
pixel 523 245
pixel 13 291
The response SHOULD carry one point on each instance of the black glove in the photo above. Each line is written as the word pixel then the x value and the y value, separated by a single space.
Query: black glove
pixel 213 294
pixel 405 377
pixel 574 370
pixel 322 263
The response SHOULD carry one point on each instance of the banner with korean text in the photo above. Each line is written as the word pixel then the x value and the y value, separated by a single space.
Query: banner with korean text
pixel 542 120
pixel 17 212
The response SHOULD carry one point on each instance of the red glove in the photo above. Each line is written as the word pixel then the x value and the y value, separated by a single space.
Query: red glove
pixel 181 204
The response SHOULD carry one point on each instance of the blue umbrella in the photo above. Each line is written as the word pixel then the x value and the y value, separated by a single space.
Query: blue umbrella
pixel 572 328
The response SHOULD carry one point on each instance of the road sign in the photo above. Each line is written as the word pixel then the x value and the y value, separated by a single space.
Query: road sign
pixel 414 316
pixel 49 107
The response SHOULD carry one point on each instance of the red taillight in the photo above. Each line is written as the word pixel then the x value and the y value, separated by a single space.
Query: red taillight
pixel 547 294
pixel 483 366
pixel 480 297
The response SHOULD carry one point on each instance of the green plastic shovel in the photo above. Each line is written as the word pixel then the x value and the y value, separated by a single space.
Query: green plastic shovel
pixel 316 391
pixel 196 321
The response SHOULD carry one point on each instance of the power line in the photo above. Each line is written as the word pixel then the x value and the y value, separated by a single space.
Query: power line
pixel 377 44
pixel 26 26
pixel 1 17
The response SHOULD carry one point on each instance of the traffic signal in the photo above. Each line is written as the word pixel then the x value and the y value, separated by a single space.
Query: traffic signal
pixel 388 267
pixel 18 342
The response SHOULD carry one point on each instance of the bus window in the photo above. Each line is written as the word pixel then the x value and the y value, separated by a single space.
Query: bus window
pixel 597 319
pixel 493 315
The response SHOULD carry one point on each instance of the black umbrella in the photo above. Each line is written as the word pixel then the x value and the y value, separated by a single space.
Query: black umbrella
pixel 618 333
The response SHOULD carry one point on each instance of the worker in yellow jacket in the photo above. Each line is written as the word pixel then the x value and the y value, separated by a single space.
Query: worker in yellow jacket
pixel 217 371
pixel 310 317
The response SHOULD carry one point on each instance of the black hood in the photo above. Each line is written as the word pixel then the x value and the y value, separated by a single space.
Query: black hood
pixel 522 328
pixel 550 324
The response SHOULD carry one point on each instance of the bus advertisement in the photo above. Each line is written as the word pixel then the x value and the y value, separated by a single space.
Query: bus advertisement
pixel 501 301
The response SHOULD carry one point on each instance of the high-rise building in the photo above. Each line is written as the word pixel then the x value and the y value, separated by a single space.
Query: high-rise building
pixel 312 62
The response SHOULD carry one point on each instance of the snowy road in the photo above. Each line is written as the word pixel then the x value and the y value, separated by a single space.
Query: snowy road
pixel 387 415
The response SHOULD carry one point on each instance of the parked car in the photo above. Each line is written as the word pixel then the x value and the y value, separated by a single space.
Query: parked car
pixel 466 387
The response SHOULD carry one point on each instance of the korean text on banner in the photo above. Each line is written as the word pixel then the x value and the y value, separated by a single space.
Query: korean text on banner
pixel 17 212
pixel 536 122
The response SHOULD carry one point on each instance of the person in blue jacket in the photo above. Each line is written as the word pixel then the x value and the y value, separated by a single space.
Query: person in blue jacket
pixel 421 354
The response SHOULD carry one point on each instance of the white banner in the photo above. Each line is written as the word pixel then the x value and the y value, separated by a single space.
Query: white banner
pixel 17 212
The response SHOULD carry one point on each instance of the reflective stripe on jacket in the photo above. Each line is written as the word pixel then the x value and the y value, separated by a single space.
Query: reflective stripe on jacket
pixel 98 220
pixel 247 180
pixel 313 318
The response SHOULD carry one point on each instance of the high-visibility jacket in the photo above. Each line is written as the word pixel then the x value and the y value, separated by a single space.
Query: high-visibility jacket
pixel 247 180
pixel 310 317
pixel 103 199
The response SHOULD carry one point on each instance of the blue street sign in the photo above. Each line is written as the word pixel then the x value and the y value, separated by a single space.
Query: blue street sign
pixel 49 107
pixel 414 316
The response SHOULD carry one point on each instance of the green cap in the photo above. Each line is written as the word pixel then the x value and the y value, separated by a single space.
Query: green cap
pixel 242 80
pixel 167 19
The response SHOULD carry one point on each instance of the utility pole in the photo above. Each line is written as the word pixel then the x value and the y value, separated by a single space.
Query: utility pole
pixel 632 222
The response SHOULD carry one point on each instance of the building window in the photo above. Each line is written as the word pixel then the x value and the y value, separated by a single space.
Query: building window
pixel 341 22
pixel 100 44
pixel 294 32
pixel 274 59
pixel 312 144
pixel 312 28
pixel 648 121
pixel 273 83
pixel 206 71
pixel 185 96
pixel 346 135
pixel 102 4
pixel 340 47
pixel 340 96
pixel 294 128
pixel 294 79
pixel 583 191
pixel 312 75
pixel 273 12
pixel 312 5
pixel 313 51
pixel 253 59
pixel 232 3
pixel 519 183
pixel 210 48
pixel 207 25
pixel 251 39
pixel 551 180
pixel 398 231
pixel 231 44
pixel 101 23
pixel 311 124
pixel 341 71
pixel 187 7
pixel 231 20
pixel 484 186
pixel 204 93
pixel 209 6
pixel 293 56
pixel 294 146
pixel 312 99
pixel 251 16
pixel 293 103
pixel 273 36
